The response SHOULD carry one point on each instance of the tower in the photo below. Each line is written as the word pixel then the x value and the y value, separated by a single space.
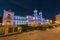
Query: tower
pixel 35 16
pixel 40 18
pixel 8 17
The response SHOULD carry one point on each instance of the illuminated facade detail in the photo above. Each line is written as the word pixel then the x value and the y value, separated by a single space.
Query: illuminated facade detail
pixel 30 20
pixel 47 21
pixel 6 16
pixel 19 20
pixel 43 21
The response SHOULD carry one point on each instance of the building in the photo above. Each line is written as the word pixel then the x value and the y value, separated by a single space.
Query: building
pixel 7 17
pixel 9 23
pixel 57 19
pixel 10 18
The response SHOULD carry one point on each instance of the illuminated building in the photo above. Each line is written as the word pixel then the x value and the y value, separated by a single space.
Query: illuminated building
pixel 15 20
pixel 36 19
pixel 8 15
pixel 32 20
pixel 57 19
pixel 10 18
pixel 8 23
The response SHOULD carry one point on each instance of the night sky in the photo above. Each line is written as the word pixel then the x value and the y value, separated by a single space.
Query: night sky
pixel 25 7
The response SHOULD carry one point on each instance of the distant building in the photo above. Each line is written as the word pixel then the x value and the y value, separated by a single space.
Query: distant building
pixel 57 19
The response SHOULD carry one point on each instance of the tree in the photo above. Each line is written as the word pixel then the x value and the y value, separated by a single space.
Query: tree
pixel 1 19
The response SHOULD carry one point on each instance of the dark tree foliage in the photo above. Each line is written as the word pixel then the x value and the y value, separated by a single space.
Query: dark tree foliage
pixel 1 19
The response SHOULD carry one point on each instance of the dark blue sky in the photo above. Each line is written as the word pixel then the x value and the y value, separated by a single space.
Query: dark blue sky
pixel 25 7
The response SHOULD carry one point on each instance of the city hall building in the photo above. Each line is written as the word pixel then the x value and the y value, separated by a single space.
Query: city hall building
pixel 10 19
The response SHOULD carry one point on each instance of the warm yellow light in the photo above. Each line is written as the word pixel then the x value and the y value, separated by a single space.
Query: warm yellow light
pixel 26 20
pixel 26 16
pixel 50 21
pixel 8 23
pixel 57 22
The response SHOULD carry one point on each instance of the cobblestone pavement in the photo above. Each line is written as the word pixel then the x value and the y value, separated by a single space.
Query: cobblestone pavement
pixel 50 34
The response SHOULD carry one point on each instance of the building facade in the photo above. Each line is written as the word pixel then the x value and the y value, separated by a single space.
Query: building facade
pixel 15 20
pixel 57 19
pixel 7 14
pixel 19 20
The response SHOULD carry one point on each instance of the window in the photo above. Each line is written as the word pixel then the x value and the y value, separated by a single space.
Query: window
pixel 9 16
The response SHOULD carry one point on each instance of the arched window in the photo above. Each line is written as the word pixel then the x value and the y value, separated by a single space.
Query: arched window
pixel 9 16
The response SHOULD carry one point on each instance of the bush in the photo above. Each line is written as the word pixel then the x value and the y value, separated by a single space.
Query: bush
pixel 31 28
pixel 26 28
pixel 50 26
pixel 10 30
pixel 42 28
